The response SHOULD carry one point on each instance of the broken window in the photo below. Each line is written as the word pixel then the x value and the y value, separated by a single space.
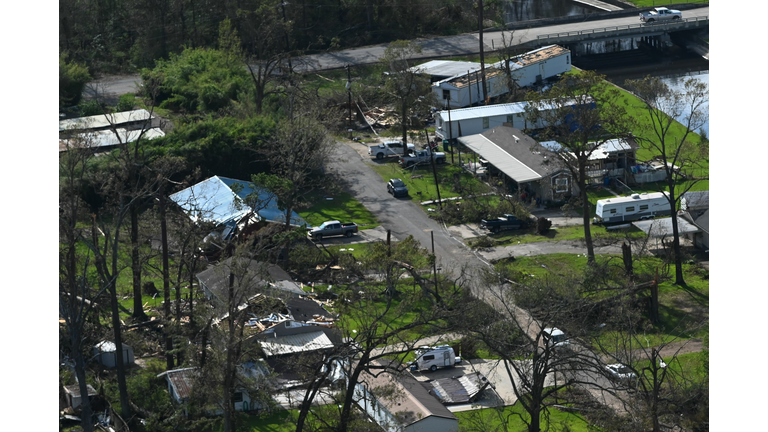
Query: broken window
pixel 561 184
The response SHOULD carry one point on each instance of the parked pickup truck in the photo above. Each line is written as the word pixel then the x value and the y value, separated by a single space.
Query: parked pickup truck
pixel 333 228
pixel 388 148
pixel 422 157
pixel 660 14
pixel 506 222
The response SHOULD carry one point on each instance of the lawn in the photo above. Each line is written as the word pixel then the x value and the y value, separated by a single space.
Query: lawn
pixel 508 419
pixel 679 306
pixel 574 232
pixel 342 207
pixel 420 180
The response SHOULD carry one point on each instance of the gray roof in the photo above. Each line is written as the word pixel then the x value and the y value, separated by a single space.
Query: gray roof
pixel 296 343
pixel 104 120
pixel 457 390
pixel 663 227
pixel 108 138
pixel 514 153
pixel 696 200
pixel 445 68
pixel 182 381
pixel 216 278
pixel 484 111
pixel 414 402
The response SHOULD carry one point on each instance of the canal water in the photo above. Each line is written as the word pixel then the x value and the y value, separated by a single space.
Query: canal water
pixel 524 10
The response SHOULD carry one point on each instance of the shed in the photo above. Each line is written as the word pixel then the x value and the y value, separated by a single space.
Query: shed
pixel 105 353
pixel 72 395
pixel 662 227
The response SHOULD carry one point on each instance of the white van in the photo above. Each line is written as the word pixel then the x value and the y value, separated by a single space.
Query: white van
pixel 434 357
pixel 634 207
pixel 555 337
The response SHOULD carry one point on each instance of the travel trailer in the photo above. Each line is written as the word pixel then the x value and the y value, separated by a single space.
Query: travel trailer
pixel 631 208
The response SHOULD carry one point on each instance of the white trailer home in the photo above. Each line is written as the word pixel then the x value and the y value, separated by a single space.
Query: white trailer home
pixel 634 207
pixel 465 89
pixel 475 120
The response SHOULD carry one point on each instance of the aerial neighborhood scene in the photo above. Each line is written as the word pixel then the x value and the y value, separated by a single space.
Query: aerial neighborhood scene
pixel 383 216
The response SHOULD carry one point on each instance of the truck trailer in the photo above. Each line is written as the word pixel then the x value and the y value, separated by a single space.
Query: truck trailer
pixel 631 208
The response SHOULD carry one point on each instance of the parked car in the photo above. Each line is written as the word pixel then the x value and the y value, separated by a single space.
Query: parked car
pixel 556 338
pixel 422 157
pixel 506 222
pixel 333 228
pixel 397 188
pixel 389 148
pixel 620 372
pixel 429 357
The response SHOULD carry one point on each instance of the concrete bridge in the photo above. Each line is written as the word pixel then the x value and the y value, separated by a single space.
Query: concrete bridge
pixel 620 31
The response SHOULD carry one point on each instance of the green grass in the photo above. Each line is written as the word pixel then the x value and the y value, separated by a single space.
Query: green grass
pixel 679 306
pixel 574 232
pixel 358 250
pixel 426 183
pixel 508 419
pixel 343 207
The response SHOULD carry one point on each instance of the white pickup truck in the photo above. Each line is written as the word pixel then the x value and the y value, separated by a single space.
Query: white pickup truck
pixel 660 14
pixel 388 148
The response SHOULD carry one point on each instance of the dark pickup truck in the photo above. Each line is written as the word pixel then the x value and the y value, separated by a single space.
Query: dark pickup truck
pixel 506 222
pixel 333 228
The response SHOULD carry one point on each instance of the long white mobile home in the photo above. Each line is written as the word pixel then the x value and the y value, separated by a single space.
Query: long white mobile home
pixel 634 207
pixel 466 89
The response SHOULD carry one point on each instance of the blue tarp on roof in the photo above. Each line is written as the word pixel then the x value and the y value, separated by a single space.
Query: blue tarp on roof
pixel 215 200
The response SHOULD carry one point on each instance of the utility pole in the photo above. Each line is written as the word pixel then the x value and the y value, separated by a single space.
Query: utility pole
pixel 450 126
pixel 434 171
pixel 469 86
pixel 434 265
pixel 482 52
pixel 349 93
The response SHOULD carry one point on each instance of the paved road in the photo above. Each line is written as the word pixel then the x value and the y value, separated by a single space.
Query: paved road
pixel 401 216
pixel 465 44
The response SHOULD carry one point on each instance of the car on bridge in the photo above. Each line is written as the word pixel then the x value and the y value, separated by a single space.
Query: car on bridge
pixel 660 14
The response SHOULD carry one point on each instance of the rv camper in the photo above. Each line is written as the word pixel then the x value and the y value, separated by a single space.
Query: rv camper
pixel 556 338
pixel 634 207
pixel 434 357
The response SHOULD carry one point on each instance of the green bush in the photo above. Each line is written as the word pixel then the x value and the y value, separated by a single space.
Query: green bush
pixel 126 103
pixel 72 80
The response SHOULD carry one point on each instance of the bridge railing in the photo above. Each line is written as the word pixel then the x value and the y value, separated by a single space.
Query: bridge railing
pixel 656 26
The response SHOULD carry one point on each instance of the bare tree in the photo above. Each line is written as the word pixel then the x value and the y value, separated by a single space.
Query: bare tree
pixel 669 132
pixel 404 85
pixel 75 293
pixel 580 112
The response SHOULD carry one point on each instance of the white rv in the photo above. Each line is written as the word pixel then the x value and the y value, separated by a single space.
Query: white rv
pixel 434 357
pixel 634 207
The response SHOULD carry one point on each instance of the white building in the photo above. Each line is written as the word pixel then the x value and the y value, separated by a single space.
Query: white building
pixel 465 89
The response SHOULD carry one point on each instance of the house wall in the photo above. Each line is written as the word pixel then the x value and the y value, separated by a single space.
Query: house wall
pixel 109 360
pixel 375 410
pixel 465 96
pixel 476 125
pixel 548 68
